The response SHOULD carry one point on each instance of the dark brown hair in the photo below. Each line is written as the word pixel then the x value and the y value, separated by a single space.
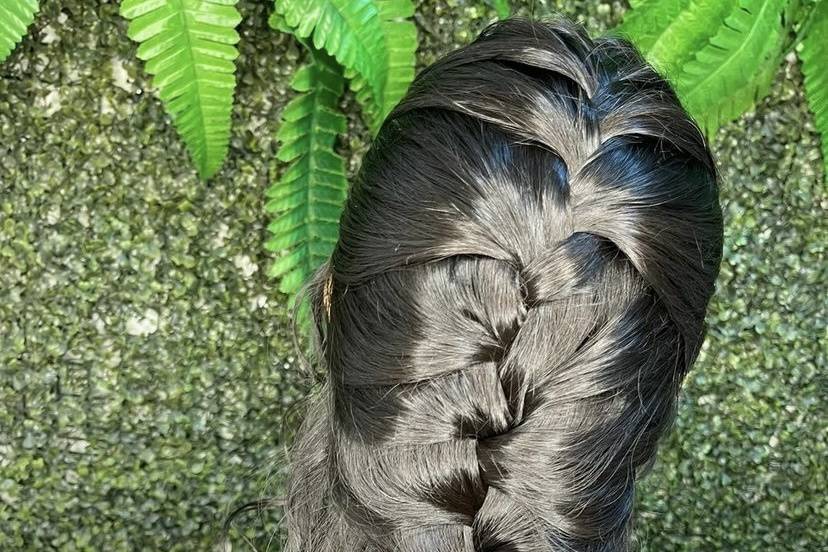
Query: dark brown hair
pixel 518 290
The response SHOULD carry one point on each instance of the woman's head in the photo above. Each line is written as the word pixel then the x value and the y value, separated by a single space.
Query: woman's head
pixel 518 290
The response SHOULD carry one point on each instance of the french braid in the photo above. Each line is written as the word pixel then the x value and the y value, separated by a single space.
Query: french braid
pixel 517 293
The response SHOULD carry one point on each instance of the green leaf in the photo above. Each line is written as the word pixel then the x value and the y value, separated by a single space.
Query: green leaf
pixel 189 48
pixel 736 67
pixel 15 18
pixel 814 56
pixel 400 39
pixel 308 198
pixel 374 40
pixel 670 32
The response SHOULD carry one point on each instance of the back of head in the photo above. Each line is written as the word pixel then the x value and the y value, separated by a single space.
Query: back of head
pixel 517 293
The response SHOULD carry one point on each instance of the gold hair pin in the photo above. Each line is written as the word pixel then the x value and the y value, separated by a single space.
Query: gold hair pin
pixel 326 294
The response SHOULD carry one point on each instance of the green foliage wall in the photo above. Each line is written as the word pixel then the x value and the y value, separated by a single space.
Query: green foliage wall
pixel 145 362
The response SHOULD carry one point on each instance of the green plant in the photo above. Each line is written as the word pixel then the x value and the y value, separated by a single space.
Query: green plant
pixel 189 47
pixel 722 55
pixel 15 17
pixel 371 45
pixel 736 66
pixel 372 39
pixel 308 198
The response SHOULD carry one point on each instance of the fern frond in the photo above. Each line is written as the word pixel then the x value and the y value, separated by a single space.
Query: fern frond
pixel 814 56
pixel 189 48
pixel 400 40
pixel 374 40
pixel 735 69
pixel 308 198
pixel 670 32
pixel 15 18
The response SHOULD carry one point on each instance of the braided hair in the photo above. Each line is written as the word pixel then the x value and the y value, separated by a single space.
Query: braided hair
pixel 517 292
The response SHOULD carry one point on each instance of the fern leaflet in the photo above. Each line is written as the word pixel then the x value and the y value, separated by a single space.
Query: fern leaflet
pixel 15 18
pixel 189 48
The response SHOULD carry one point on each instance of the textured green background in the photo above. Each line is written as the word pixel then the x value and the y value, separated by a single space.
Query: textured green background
pixel 145 364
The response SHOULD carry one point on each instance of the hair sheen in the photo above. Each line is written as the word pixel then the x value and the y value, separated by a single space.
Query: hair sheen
pixel 518 290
